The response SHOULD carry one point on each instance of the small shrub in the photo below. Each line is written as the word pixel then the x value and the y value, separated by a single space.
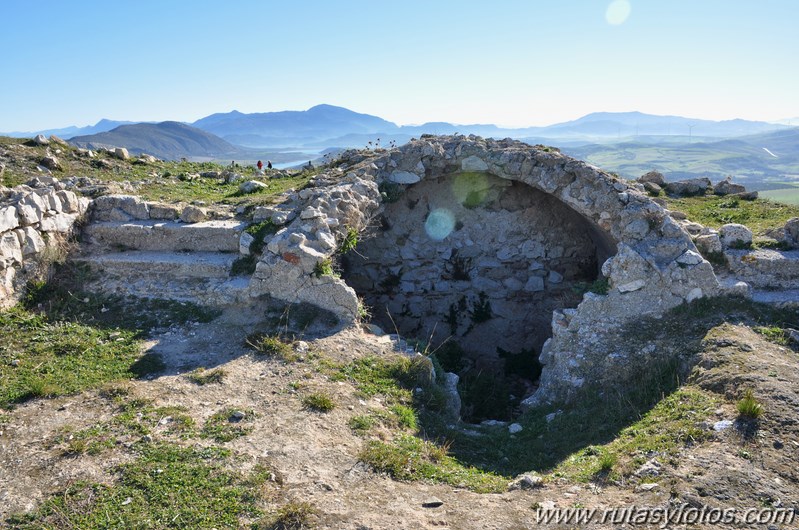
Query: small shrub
pixel 201 376
pixel 459 268
pixel 293 516
pixel 319 402
pixel 749 406
pixel 390 191
pixel 772 333
pixel 606 461
pixel 406 417
pixel 349 242
pixel 324 268
pixel 362 422
pixel 244 265
pixel 272 346
pixel 481 309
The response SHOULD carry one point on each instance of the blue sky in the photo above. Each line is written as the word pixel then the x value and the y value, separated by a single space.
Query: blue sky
pixel 510 62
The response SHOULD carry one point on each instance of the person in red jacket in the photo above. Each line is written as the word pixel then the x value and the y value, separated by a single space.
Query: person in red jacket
pixel 260 165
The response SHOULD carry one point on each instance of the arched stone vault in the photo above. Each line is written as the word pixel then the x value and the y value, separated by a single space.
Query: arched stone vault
pixel 651 264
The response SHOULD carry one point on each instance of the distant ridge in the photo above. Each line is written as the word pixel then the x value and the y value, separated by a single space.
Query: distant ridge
pixel 169 140
pixel 325 126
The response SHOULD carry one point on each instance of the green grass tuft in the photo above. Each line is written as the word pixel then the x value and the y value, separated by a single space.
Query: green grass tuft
pixel 166 486
pixel 319 402
pixel 410 458
pixel 201 376
pixel 272 346
pixel 292 516
pixel 748 406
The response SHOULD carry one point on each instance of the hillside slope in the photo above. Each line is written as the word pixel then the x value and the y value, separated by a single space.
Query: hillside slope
pixel 168 140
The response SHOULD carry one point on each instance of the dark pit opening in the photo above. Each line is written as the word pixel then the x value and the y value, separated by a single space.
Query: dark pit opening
pixel 474 265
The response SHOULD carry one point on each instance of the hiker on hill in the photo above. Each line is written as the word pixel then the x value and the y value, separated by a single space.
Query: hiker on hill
pixel 260 165
pixel 268 164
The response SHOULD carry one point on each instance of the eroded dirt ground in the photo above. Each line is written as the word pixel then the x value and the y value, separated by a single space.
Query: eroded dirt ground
pixel 315 455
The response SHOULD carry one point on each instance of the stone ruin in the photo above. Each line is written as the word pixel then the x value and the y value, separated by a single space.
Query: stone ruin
pixel 501 247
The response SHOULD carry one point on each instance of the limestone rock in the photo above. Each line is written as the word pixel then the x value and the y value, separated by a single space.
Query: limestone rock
pixel 163 212
pixel 121 153
pixel 453 398
pixel 8 218
pixel 10 249
pixel 735 235
pixel 473 163
pixel 31 209
pixel 708 244
pixel 746 195
pixel 120 208
pixel 534 284
pixel 727 187
pixel 41 139
pixel 252 186
pixel 653 177
pixel 69 201
pixel 404 177
pixel 632 286
pixel 50 162
pixel 792 232
pixel 245 240
pixel 653 188
pixel 688 188
pixel 32 242
pixel 193 214
pixel 689 257
pixel 526 482
pixel 60 222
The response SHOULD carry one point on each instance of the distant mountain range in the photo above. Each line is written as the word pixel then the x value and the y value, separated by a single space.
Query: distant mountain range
pixel 169 140
pixel 325 126
pixel 68 132
pixel 629 143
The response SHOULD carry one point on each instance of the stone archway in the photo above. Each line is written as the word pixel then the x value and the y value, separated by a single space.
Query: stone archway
pixel 477 259
pixel 650 263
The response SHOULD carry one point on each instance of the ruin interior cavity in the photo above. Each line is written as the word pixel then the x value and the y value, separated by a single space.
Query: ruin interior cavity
pixel 475 259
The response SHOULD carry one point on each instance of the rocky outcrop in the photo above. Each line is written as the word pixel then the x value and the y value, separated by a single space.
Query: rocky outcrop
pixel 688 188
pixel 728 187
pixel 35 223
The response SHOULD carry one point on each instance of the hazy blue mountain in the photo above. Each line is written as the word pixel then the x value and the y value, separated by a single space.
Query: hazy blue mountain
pixel 326 125
pixel 68 132
pixel 169 140
pixel 622 124
pixel 289 128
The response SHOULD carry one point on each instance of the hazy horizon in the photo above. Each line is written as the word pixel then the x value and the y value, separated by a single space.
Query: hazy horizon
pixel 512 63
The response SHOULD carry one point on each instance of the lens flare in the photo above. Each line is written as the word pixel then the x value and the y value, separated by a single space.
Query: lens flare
pixel 470 188
pixel 439 224
pixel 617 12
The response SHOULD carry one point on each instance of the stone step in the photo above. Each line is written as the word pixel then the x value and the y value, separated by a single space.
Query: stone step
pixel 202 277
pixel 207 236
pixel 765 268
pixel 785 298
